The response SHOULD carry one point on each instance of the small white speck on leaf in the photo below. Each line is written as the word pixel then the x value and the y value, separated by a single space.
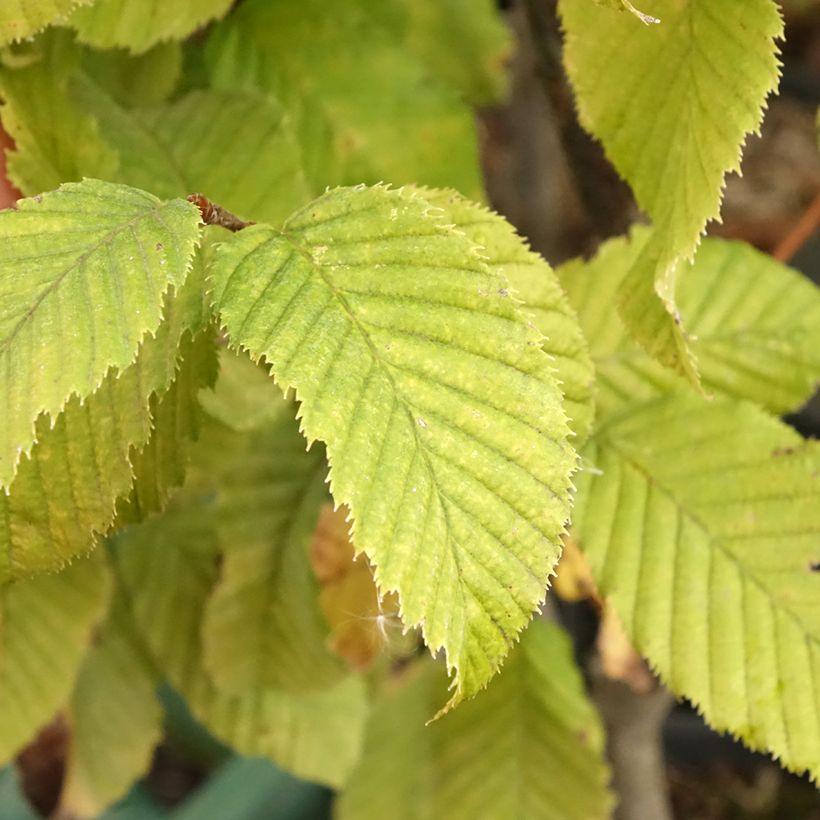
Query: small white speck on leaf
pixel 422 424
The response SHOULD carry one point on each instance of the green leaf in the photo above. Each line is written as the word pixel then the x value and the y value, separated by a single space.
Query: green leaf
pixel 22 18
pixel 539 754
pixel 701 522
pixel 442 420
pixel 66 491
pixel 299 52
pixel 139 26
pixel 35 98
pixel 84 269
pixel 262 626
pixel 755 326
pixel 239 149
pixel 46 625
pixel 533 281
pixel 169 567
pixel 115 718
pixel 672 105
pixel 145 79
pixel 464 42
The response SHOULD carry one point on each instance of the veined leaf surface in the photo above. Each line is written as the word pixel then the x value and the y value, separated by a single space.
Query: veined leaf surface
pixel 83 272
pixel 540 753
pixel 169 567
pixel 754 324
pixel 702 528
pixel 532 280
pixel 672 105
pixel 78 475
pixel 46 625
pixel 263 627
pixel 443 423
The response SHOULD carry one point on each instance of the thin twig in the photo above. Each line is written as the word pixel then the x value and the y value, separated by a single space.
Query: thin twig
pixel 800 233
pixel 213 214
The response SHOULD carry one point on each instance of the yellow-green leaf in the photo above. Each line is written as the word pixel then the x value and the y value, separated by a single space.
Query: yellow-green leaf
pixel 46 626
pixel 443 422
pixel 701 522
pixel 531 746
pixel 83 272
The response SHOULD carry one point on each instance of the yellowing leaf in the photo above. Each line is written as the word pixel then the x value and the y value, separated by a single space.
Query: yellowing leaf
pixel 755 326
pixel 83 269
pixel 443 423
pixel 530 746
pixel 672 105
pixel 361 620
pixel 701 522
pixel 533 281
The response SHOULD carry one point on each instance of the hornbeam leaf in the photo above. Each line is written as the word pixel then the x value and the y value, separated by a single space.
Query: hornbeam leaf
pixel 66 491
pixel 83 271
pixel 114 717
pixel 299 52
pixel 263 627
pixel 534 281
pixel 22 18
pixel 169 567
pixel 34 98
pixel 139 26
pixel 250 163
pixel 540 753
pixel 701 523
pixel 443 422
pixel 701 79
pixel 755 326
pixel 46 625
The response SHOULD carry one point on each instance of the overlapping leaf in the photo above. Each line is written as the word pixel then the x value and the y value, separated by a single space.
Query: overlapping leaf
pixel 46 625
pixel 139 26
pixel 755 326
pixel 169 566
pixel 530 746
pixel 672 105
pixel 239 149
pixel 84 272
pixel 114 717
pixel 34 98
pixel 442 420
pixel 702 528
pixel 77 476
pixel 533 281
pixel 262 626
pixel 22 18
pixel 366 113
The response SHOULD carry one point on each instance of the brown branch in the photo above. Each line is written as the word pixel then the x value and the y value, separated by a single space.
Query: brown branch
pixel 213 214
pixel 808 223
